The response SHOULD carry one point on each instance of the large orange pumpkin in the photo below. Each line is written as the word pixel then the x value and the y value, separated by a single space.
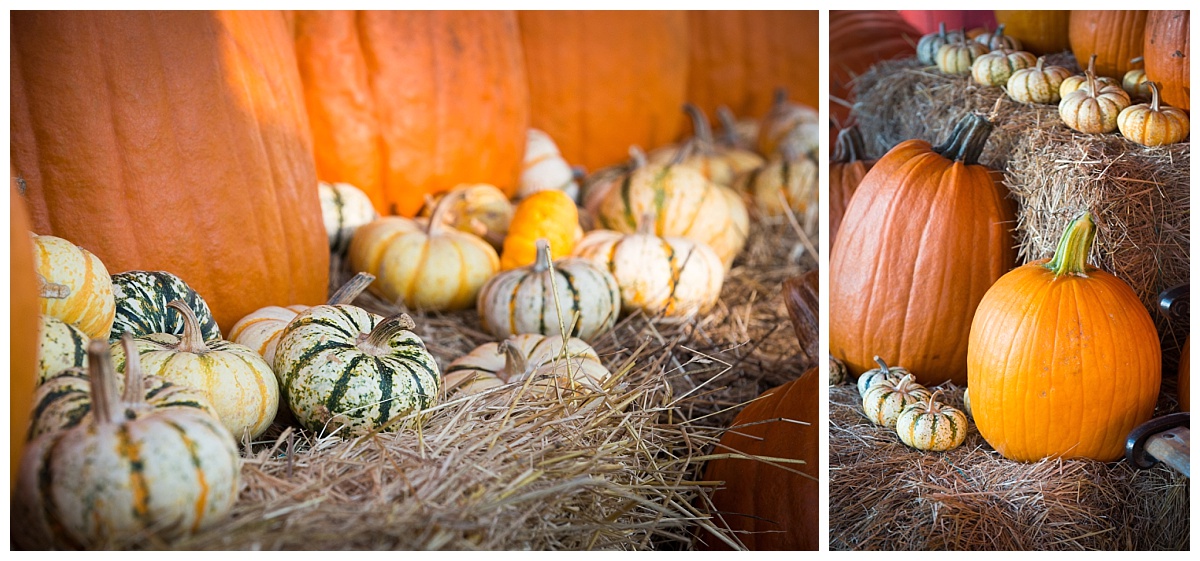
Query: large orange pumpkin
pixel 738 58
pixel 23 329
pixel 925 235
pixel 776 503
pixel 409 103
pixel 847 168
pixel 601 81
pixel 858 40
pixel 172 141
pixel 1114 36
pixel 1041 32
pixel 1167 54
pixel 1064 360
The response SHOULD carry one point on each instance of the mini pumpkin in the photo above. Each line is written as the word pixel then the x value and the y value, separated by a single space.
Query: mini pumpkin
pixel 929 45
pixel 931 425
pixel 785 182
pixel 877 375
pixel 480 209
pixel 884 402
pixel 536 298
pixel 74 285
pixel 1092 109
pixel 1072 83
pixel 720 163
pixel 60 346
pixel 1135 81
pixel 837 371
pixel 789 124
pixel 957 58
pixel 549 215
pixel 521 357
pixel 996 67
pixel 344 208
pixel 142 297
pixel 998 40
pixel 544 168
pixel 1039 84
pixel 1153 125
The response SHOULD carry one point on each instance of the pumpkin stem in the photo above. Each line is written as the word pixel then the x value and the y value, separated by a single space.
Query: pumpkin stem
pixel 1091 64
pixel 436 220
pixel 882 365
pixel 1137 61
pixel 516 365
pixel 646 224
pixel 47 289
pixel 997 36
pixel 942 31
pixel 1070 257
pixel 376 342
pixel 728 126
pixel 1153 95
pixel 353 287
pixel 102 379
pixel 134 376
pixel 1091 78
pixel 542 262
pixel 684 152
pixel 934 406
pixel 192 340
pixel 780 98
pixel 967 140
pixel 637 158
pixel 700 127
pixel 850 146
pixel 1040 62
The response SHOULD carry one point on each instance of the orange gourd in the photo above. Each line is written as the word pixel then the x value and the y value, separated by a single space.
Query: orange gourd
pixel 846 170
pixel 1114 36
pixel 1167 55
pixel 1064 360
pixel 549 215
pixel 923 238
pixel 172 141
pixel 601 81
pixel 1041 32
pixel 23 328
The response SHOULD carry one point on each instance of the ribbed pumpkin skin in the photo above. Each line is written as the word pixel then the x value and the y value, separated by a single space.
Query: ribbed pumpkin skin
pixel 79 289
pixel 486 366
pixel 922 240
pixel 780 507
pixel 1062 367
pixel 1115 36
pixel 60 346
pixel 1041 32
pixel 859 39
pixel 737 59
pixel 142 298
pixel 549 215
pixel 172 141
pixel 600 81
pixel 524 300
pixel 261 329
pixel 409 103
pixel 23 328
pixel 796 180
pixel 931 426
pixel 1168 55
pixel 481 209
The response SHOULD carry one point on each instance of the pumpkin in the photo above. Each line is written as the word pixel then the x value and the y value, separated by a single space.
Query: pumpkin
pixel 1039 84
pixel 348 371
pixel 718 163
pixel 189 146
pixel 924 236
pixel 741 134
pixel 957 58
pixel 857 40
pixel 426 266
pixel 996 67
pixel 521 357
pixel 234 378
pixel 1093 109
pixel 837 371
pixel 261 329
pixel 127 468
pixel 1134 81
pixel 481 209
pixel 847 167
pixel 1167 53
pixel 1078 81
pixel 550 215
pixel 74 286
pixel 675 277
pixel 932 426
pixel 1041 32
pixel 885 400
pixel 1184 379
pixel 929 45
pixel 544 168
pixel 142 298
pixel 681 203
pixel 408 103
pixel 580 85
pixel 967 400
pixel 997 40
pixel 344 208
pixel 1114 36
pixel 1064 360
pixel 1152 125
pixel 770 463
pixel 23 366
pixel 783 183
pixel 877 375
pixel 546 296
pixel 789 128
pixel 60 346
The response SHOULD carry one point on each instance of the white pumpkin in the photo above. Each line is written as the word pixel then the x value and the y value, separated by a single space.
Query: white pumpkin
pixel 520 357
pixel 344 208
pixel 544 168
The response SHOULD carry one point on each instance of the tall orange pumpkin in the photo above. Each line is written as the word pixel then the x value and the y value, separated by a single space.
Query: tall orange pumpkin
pixel 858 40
pixel 738 58
pixel 409 103
pixel 1167 54
pixel 23 329
pixel 1041 32
pixel 601 81
pixel 1114 36
pixel 925 235
pixel 1064 359
pixel 173 141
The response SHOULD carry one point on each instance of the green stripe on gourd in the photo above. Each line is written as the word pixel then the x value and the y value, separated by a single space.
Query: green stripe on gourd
pixel 931 425
pixel 876 375
pixel 61 346
pixel 886 399
pixel 142 298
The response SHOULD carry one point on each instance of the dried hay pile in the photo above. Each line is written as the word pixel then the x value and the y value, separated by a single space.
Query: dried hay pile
pixel 623 474
pixel 886 496
pixel 1138 195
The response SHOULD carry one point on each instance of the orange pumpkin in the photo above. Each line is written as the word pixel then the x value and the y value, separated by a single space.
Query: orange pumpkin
pixel 1064 359
pixel 172 141
pixel 1114 36
pixel 857 40
pixel 549 215
pixel 600 81
pixel 409 103
pixel 1041 32
pixel 773 503
pixel 1167 55
pixel 23 328
pixel 846 170
pixel 925 235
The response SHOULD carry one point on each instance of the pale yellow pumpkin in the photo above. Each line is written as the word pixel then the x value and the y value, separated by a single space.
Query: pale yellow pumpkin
pixel 521 357
pixel 1093 113
pixel 544 168
pixel 1135 82
pixel 1039 84
pixel 783 183
pixel 796 126
pixel 718 163
pixel 480 209
pixel 996 67
pixel 1072 83
pixel 957 58
pixel 75 286
pixel 1153 124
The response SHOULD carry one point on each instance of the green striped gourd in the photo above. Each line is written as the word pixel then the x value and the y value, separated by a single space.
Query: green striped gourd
pixel 786 182
pixel 931 425
pixel 130 467
pixel 349 371
pixel 60 346
pixel 886 399
pixel 344 208
pixel 234 378
pixel 996 67
pixel 876 375
pixel 536 298
pixel 521 357
pixel 142 298
pixel 929 45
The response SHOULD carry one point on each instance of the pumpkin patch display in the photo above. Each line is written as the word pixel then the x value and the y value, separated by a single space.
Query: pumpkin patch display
pixel 1152 124
pixel 1040 84
pixel 1093 109
pixel 60 346
pixel 1063 360
pixel 344 208
pixel 931 425
pixel 142 298
pixel 549 215
pixel 519 358
pixel 481 209
pixel 74 286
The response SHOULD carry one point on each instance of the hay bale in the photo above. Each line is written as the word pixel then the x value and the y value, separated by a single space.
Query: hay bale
pixel 1138 195
pixel 886 496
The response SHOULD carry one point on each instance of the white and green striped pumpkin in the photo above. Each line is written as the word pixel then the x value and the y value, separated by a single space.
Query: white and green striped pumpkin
pixel 675 277
pixel 60 346
pixel 544 168
pixel 344 208
pixel 996 67
pixel 886 399
pixel 142 298
pixel 788 182
pixel 520 357
pixel 349 371
pixel 235 379
pixel 931 425
pixel 536 298
pixel 127 469
pixel 876 375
